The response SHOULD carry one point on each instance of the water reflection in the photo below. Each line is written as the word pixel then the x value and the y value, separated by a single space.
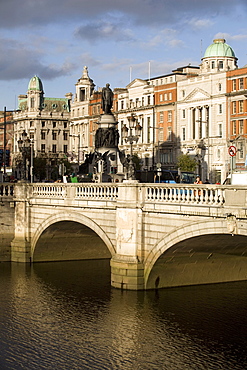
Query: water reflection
pixel 66 316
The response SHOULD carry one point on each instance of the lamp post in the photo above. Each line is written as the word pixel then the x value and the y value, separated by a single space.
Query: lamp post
pixel 131 139
pixel 24 145
pixel 79 145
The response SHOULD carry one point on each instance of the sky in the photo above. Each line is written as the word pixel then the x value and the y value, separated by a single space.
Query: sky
pixel 118 40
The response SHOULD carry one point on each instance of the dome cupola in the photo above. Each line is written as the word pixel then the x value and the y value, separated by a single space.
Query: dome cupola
pixel 35 84
pixel 219 56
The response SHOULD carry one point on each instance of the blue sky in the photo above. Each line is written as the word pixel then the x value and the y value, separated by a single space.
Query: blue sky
pixel 54 39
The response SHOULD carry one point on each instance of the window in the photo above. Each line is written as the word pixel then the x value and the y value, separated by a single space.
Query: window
pixel 183 133
pixel 31 123
pixel 241 106
pixel 213 64
pixel 183 113
pixel 54 124
pixel 165 96
pixel 241 127
pixel 65 136
pixel 220 108
pixel 234 85
pixel 241 84
pixel 169 116
pixel 142 100
pixel 42 147
pixel 161 134
pixel 234 107
pixel 161 117
pixel 240 150
pixel 54 148
pixel 54 137
pixel 149 99
pixel 221 64
pixel 183 93
pixel 65 124
pixel 122 104
pixel 149 130
pixel 218 154
pixel 65 148
pixel 42 135
pixel 43 123
pixel 234 128
pixel 161 97
pixel 170 96
pixel 220 129
pixel 32 102
pixel 169 133
pixel 220 87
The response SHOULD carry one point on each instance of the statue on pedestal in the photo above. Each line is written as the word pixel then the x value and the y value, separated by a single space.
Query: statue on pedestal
pixel 107 99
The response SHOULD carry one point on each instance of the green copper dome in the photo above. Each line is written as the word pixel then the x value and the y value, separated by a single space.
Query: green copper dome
pixel 35 84
pixel 219 49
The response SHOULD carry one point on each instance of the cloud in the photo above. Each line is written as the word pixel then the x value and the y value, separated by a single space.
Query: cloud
pixel 196 23
pixel 29 13
pixel 229 37
pixel 18 62
pixel 104 30
pixel 167 36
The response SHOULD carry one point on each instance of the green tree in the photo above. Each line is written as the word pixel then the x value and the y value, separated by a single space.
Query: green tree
pixel 186 163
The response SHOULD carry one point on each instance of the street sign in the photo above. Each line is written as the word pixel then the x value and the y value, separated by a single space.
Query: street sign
pixel 232 151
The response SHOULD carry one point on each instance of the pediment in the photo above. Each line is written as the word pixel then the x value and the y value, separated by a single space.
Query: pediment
pixel 197 94
pixel 137 82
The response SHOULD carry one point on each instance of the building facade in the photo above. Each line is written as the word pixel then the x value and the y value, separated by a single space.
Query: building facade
pixel 45 122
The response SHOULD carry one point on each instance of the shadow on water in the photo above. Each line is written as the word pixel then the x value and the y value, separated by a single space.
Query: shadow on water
pixel 65 315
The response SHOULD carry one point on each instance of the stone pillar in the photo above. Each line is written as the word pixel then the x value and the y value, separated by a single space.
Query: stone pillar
pixel 127 271
pixel 20 245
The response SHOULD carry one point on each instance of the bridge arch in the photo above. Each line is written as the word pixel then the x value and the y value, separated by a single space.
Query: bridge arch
pixel 74 217
pixel 185 232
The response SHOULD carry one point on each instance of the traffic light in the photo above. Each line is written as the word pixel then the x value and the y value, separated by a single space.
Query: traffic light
pixel 7 158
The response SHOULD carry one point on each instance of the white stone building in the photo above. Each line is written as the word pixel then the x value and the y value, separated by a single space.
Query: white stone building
pixel 80 119
pixel 45 121
pixel 202 112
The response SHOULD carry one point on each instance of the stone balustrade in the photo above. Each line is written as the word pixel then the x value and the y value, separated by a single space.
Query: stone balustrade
pixel 165 193
pixel 6 190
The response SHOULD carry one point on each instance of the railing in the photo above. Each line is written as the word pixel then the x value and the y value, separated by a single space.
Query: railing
pixel 166 193
pixel 199 194
pixel 49 191
pixel 77 191
pixel 95 191
pixel 6 190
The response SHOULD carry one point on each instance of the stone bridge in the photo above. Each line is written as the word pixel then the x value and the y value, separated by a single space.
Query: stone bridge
pixel 155 235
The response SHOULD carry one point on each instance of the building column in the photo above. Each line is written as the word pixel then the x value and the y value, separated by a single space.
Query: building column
pixel 127 270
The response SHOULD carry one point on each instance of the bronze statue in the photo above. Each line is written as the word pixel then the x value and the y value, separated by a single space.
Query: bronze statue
pixel 107 99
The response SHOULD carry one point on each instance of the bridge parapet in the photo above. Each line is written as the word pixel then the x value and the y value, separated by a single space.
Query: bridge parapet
pixel 6 190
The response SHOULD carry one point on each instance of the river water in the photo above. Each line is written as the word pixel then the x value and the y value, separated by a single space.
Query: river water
pixel 66 316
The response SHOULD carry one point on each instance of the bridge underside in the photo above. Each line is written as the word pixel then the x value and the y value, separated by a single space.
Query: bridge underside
pixel 67 241
pixel 201 260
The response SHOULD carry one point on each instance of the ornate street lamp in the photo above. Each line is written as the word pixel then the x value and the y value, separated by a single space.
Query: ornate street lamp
pixel 131 139
pixel 24 145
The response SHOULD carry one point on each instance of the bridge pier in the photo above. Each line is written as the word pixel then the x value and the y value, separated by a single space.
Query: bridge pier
pixel 127 270
pixel 20 245
pixel 127 273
